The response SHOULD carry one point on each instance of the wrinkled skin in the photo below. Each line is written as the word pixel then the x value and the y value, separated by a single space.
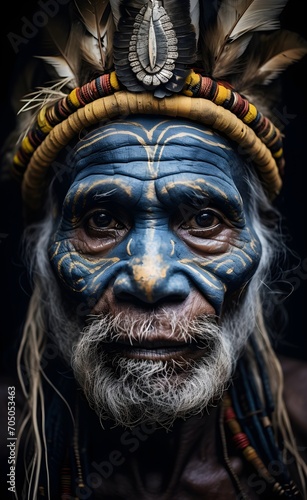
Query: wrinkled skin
pixel 156 215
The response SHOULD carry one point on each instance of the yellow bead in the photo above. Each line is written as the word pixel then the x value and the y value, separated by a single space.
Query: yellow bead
pixel 42 122
pixel 222 94
pixel 249 453
pixel 74 99
pixel 278 153
pixel 114 81
pixel 251 114
pixel 192 80
pixel 17 161
pixel 27 146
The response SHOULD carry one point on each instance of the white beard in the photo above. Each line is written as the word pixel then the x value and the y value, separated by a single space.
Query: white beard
pixel 134 391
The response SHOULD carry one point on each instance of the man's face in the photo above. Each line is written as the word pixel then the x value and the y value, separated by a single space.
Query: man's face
pixel 156 239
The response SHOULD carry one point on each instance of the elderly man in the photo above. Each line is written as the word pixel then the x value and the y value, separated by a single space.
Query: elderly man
pixel 145 360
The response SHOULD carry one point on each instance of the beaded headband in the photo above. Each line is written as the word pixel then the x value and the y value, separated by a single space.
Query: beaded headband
pixel 151 75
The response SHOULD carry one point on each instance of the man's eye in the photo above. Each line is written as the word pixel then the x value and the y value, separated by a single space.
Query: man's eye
pixel 205 219
pixel 101 220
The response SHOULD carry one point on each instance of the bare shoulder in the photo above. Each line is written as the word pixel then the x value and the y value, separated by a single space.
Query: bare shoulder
pixel 295 394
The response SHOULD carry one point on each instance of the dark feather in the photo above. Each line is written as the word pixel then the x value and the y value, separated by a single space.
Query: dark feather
pixel 224 38
pixel 61 39
pixel 268 56
pixel 97 19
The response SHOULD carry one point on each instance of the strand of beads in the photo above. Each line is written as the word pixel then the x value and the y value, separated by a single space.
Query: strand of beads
pixel 51 115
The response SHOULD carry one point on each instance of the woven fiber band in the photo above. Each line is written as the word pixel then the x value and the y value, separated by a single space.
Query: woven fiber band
pixel 123 103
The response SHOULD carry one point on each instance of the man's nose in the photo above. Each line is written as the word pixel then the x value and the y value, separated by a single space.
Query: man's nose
pixel 151 274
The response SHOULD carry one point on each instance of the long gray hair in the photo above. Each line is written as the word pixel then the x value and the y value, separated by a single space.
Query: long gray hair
pixel 265 221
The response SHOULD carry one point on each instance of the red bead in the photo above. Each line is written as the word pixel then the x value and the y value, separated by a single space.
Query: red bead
pixel 205 86
pixel 229 414
pixel 241 440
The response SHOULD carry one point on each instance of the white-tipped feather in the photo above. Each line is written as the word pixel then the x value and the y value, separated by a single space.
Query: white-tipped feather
pixel 92 52
pixel 236 22
pixel 270 55
pixel 97 19
pixel 256 15
pixel 288 49
pixel 62 69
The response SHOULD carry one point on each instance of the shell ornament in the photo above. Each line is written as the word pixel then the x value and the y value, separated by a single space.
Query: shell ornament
pixel 151 51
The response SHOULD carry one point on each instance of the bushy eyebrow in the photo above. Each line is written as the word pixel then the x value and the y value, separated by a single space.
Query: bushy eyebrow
pixel 92 191
pixel 170 194
pixel 202 194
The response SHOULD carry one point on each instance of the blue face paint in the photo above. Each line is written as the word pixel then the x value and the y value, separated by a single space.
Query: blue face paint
pixel 155 209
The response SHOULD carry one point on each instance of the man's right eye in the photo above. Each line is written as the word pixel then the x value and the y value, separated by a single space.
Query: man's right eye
pixel 101 221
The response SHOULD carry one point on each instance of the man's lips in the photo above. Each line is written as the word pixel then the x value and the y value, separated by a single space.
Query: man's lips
pixel 156 350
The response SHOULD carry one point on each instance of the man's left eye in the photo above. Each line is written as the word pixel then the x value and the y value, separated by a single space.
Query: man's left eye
pixel 101 220
pixel 205 219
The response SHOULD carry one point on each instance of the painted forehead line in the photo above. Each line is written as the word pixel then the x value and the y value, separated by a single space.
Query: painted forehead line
pixel 167 147
pixel 178 144
pixel 151 134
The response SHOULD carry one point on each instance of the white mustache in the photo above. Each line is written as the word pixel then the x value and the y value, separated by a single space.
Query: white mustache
pixel 162 326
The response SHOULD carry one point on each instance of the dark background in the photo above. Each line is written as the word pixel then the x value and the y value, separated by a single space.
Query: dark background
pixel 292 338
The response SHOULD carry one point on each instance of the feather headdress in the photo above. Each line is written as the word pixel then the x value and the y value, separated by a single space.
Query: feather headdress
pixel 162 40
pixel 162 50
